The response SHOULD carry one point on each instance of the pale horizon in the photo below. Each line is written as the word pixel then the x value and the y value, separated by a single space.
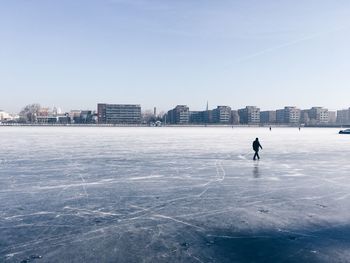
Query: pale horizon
pixel 170 108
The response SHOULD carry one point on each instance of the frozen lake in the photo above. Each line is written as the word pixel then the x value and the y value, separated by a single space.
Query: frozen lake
pixel 173 195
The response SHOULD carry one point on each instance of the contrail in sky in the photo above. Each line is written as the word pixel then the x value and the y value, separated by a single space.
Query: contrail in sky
pixel 291 43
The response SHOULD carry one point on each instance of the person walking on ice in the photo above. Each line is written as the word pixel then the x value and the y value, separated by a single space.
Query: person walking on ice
pixel 256 146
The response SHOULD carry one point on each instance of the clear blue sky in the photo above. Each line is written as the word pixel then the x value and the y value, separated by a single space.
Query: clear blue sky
pixel 75 53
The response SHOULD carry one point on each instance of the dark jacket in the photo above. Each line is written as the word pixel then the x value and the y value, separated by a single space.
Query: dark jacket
pixel 256 145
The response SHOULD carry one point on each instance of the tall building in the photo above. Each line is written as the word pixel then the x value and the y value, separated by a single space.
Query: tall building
pixel 222 114
pixel 268 117
pixel 304 116
pixel 343 116
pixel 235 117
pixel 291 115
pixel 179 115
pixel 118 113
pixel 201 117
pixel 318 115
pixel 280 116
pixel 249 115
pixel 332 116
pixel 288 115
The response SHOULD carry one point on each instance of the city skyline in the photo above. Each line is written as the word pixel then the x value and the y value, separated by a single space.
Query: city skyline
pixel 181 114
pixel 207 105
pixel 161 53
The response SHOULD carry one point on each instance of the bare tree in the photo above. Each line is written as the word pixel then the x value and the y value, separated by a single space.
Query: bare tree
pixel 30 112
pixel 160 116
pixel 148 116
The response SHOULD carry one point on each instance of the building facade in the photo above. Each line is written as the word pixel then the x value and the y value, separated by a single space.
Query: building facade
pixel 304 117
pixel 318 115
pixel 280 116
pixel 292 115
pixel 235 117
pixel 86 116
pixel 332 117
pixel 75 116
pixel 198 117
pixel 118 113
pixel 249 115
pixel 4 116
pixel 179 115
pixel 343 116
pixel 288 115
pixel 268 117
pixel 222 114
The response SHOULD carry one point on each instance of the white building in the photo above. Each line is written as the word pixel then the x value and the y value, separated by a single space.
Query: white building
pixel 319 115
pixel 290 115
pixel 222 114
pixel 343 116
pixel 249 115
pixel 4 116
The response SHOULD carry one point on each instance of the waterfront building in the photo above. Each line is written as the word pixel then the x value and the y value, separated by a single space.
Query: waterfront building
pixel 118 113
pixel 63 118
pixel 304 117
pixel 268 117
pixel 249 115
pixel 318 115
pixel 4 116
pixel 343 116
pixel 86 116
pixel 209 116
pixel 198 117
pixel 222 114
pixel 46 116
pixel 179 115
pixel 288 115
pixel 235 117
pixel 280 116
pixel 42 116
pixel 75 116
pixel 292 115
pixel 332 116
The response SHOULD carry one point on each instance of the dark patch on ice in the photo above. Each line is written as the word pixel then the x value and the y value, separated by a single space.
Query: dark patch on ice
pixel 265 211
pixel 185 245
pixel 210 243
pixel 320 205
pixel 31 258
pixel 311 245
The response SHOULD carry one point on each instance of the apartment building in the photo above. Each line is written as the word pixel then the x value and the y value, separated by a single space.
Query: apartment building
pixel 249 115
pixel 118 113
pixel 179 115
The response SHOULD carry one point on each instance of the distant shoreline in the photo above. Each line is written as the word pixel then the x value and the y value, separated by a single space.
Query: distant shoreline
pixel 173 125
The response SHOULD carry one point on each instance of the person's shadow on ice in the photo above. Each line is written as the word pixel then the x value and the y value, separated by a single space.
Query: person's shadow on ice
pixel 256 172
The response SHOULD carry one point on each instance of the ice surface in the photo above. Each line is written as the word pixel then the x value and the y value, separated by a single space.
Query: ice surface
pixel 173 195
